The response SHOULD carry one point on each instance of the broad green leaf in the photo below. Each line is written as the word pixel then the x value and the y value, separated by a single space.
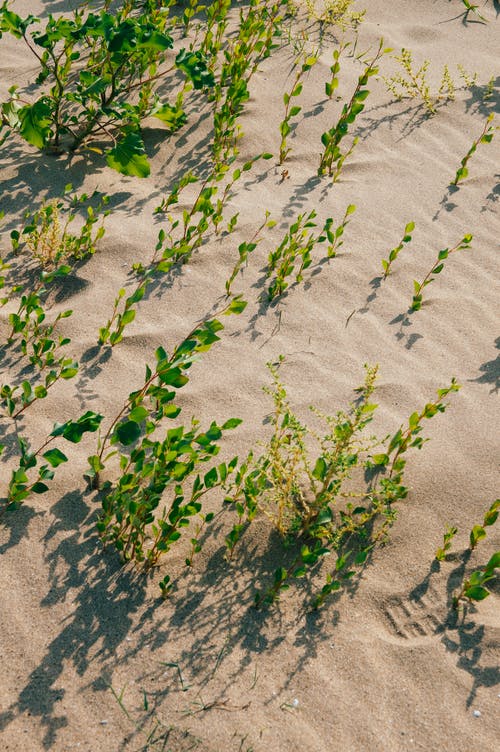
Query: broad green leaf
pixel 129 156
pixel 477 593
pixel 138 414
pixel 173 117
pixel 128 432
pixel 55 457
pixel 35 123
pixel 74 430
pixel 493 563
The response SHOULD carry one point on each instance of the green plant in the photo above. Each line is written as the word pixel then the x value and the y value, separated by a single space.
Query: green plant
pixel 436 269
pixel 335 12
pixel 99 78
pixel 245 249
pixel 242 54
pixel 473 587
pixel 294 110
pixel 300 489
pixel 413 82
pixel 47 234
pixel 485 137
pixel 386 265
pixel 447 543
pixel 154 468
pixel 147 406
pixel 206 211
pixel 332 157
pixel 297 246
pixel 470 8
pixel 21 485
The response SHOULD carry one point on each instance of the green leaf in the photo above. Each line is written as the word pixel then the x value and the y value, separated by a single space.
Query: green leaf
pixel 320 469
pixel 493 563
pixel 231 423
pixel 39 488
pixel 74 430
pixel 476 534
pixel 476 593
pixel 55 457
pixel 128 432
pixel 35 122
pixel 138 414
pixel 129 156
pixel 173 117
pixel 210 478
pixel 193 63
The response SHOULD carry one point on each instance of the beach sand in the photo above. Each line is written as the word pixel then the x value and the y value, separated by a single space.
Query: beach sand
pixel 388 665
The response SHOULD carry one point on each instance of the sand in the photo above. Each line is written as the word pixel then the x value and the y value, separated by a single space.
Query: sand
pixel 387 666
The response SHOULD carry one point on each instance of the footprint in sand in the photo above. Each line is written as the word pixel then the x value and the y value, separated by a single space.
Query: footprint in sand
pixel 414 619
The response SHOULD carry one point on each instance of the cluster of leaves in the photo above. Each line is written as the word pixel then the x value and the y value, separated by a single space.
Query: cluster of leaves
pixel 474 586
pixel 301 490
pixel 55 251
pixel 294 254
pixel 332 159
pixel 151 469
pixel 99 77
pixel 436 269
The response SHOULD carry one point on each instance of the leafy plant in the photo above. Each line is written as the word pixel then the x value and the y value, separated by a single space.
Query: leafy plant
pixel 485 138
pixel 21 485
pixel 242 55
pixel 436 269
pixel 245 249
pixel 300 490
pixel 386 265
pixel 473 587
pixel 412 82
pixel 206 211
pixel 447 543
pixel 470 8
pixel 47 235
pixel 332 159
pixel 147 406
pixel 154 468
pixel 292 111
pixel 99 78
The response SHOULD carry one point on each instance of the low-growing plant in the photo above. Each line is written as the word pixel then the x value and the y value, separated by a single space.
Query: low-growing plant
pixel 17 399
pixel 154 468
pixel 485 137
pixel 243 53
pixel 473 587
pixel 245 249
pixel 471 8
pixel 292 110
pixel 147 406
pixel 335 13
pixel 22 482
pixel 436 269
pixel 47 234
pixel 99 78
pixel 206 211
pixel 332 159
pixel 386 264
pixel 294 254
pixel 301 489
pixel 412 82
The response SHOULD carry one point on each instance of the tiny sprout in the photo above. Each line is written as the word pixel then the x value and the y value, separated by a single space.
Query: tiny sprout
pixel 386 265
pixel 436 269
pixel 485 138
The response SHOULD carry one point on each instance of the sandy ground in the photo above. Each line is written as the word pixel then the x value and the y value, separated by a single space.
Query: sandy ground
pixel 387 666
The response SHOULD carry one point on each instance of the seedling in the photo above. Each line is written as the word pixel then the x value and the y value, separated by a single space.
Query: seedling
pixel 300 491
pixel 447 543
pixel 473 587
pixel 102 73
pixel 245 249
pixel 386 265
pixel 332 159
pixel 146 407
pixel 470 8
pixel 436 269
pixel 21 484
pixel 292 111
pixel 485 138
pixel 47 235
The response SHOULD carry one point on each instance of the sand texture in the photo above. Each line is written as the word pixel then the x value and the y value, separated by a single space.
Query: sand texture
pixel 92 659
